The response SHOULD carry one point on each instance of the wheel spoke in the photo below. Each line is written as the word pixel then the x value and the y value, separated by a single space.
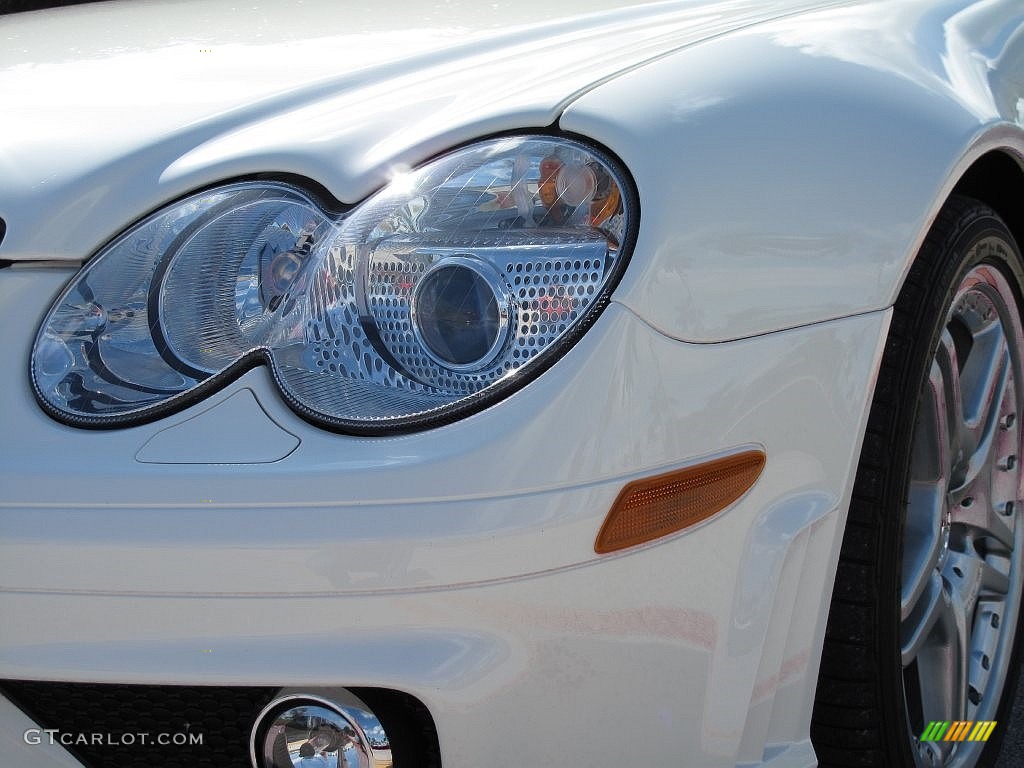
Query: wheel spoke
pixel 968 576
pixel 922 543
pixel 995 579
pixel 941 659
pixel 929 609
pixel 984 381
pixel 944 380
pixel 931 458
pixel 984 644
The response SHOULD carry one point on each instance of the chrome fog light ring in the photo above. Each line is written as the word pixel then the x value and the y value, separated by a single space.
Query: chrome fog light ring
pixel 297 725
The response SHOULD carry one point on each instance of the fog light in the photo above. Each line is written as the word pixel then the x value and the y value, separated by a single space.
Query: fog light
pixel 297 730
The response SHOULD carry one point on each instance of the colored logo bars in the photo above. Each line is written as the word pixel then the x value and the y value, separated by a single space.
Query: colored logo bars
pixel 961 730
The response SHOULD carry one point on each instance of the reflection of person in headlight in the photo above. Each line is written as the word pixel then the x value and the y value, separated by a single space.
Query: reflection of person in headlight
pixel 309 759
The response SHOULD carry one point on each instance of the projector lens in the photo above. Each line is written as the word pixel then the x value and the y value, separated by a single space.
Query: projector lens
pixel 460 313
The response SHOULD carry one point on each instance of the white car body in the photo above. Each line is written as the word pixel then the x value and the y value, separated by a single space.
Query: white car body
pixel 789 156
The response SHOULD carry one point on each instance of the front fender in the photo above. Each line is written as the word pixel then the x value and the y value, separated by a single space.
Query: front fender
pixel 788 173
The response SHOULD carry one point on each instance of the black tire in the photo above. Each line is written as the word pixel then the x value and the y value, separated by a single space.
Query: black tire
pixel 871 703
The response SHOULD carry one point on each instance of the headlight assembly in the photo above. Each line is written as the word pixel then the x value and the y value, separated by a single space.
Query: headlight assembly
pixel 439 295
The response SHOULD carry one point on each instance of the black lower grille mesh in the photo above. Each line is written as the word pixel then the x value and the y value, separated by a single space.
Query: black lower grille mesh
pixel 104 723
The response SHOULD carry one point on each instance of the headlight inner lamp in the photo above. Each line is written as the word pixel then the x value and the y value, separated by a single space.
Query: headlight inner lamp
pixel 460 313
pixel 434 298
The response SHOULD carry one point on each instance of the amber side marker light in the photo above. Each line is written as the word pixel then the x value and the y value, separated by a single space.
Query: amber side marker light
pixel 657 506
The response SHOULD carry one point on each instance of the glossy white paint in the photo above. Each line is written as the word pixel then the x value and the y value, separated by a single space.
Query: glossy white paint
pixel 788 165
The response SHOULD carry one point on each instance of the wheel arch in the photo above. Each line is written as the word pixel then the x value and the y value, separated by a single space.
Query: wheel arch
pixel 997 179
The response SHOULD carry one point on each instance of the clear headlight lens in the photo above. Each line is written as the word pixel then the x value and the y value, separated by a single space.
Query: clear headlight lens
pixel 440 294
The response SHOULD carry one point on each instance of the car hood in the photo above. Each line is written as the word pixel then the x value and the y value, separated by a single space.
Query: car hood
pixel 113 109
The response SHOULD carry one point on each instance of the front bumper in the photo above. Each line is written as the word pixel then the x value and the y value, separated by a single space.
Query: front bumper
pixel 234 544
